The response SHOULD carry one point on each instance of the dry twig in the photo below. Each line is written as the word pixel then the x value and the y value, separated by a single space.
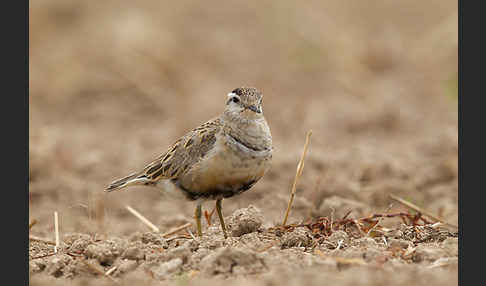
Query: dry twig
pixel 143 219
pixel 111 270
pixel 177 229
pixel 56 227
pixel 97 270
pixel 190 233
pixel 300 167
pixel 181 236
pixel 323 226
pixel 42 256
pixel 379 220
pixel 420 210
pixel 40 239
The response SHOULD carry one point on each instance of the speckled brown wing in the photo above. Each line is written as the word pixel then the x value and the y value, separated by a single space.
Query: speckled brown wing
pixel 185 152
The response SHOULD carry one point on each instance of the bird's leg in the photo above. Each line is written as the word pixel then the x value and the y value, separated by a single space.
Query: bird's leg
pixel 197 216
pixel 220 214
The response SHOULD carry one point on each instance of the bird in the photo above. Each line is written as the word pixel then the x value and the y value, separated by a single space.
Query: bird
pixel 221 158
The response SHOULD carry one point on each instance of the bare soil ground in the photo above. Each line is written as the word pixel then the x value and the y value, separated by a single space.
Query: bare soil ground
pixel 112 85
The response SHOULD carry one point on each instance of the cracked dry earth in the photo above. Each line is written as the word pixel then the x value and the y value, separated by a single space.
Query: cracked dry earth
pixel 253 254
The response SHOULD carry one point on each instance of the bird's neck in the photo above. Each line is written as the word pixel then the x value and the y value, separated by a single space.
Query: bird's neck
pixel 252 131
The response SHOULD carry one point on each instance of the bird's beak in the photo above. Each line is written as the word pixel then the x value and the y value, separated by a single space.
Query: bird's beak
pixel 254 108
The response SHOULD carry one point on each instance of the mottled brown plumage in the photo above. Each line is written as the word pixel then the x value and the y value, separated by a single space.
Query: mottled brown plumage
pixel 221 158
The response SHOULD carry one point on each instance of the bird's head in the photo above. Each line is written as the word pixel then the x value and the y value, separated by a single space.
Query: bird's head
pixel 244 102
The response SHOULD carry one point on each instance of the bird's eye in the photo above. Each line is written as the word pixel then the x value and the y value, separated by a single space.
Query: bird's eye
pixel 235 99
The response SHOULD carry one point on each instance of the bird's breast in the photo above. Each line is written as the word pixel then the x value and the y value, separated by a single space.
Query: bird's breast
pixel 229 166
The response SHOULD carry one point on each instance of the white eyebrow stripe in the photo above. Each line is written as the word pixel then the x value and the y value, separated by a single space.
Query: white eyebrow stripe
pixel 231 94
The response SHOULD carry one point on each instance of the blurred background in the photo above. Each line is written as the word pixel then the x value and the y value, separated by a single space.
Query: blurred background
pixel 114 83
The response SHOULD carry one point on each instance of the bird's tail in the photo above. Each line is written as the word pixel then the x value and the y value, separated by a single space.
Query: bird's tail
pixel 130 180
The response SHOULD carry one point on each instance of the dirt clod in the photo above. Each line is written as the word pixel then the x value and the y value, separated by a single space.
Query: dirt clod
pixel 101 252
pixel 300 237
pixel 36 266
pixel 126 266
pixel 57 264
pixel 246 220
pixel 398 243
pixel 367 242
pixel 167 268
pixel 428 253
pixel 183 252
pixel 133 253
pixel 153 238
pixel 232 260
pixel 451 246
pixel 79 245
pixel 338 237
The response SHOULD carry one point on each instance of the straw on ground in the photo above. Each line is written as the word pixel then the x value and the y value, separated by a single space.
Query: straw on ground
pixel 143 219
pixel 177 229
pixel 56 226
pixel 298 173
pixel 420 210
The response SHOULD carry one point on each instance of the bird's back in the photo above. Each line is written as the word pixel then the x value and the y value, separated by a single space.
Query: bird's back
pixel 180 156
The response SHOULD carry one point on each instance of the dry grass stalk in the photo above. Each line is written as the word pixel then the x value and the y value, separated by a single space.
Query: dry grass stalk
pixel 420 210
pixel 177 229
pixel 99 271
pixel 56 227
pixel 190 233
pixel 111 270
pixel 300 167
pixel 40 239
pixel 181 236
pixel 43 256
pixel 143 219
pixel 34 221
pixel 379 220
pixel 339 244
